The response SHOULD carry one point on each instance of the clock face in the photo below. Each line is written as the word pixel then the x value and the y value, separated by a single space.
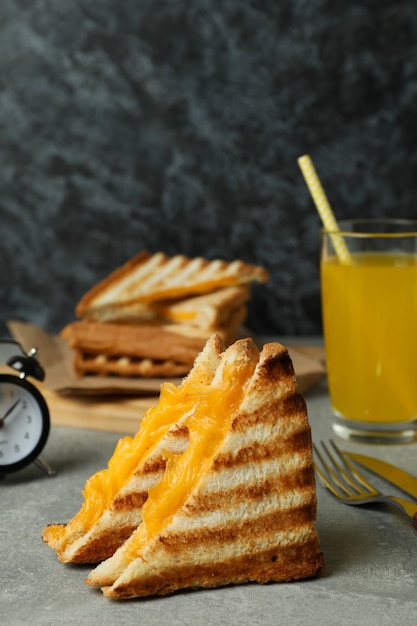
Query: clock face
pixel 24 423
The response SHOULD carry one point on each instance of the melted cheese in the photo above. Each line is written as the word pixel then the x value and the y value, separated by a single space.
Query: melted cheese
pixel 208 424
pixel 185 290
pixel 100 489
pixel 174 315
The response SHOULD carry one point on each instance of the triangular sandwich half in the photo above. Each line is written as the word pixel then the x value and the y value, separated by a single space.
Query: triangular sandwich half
pixel 239 503
pixel 148 278
pixel 113 498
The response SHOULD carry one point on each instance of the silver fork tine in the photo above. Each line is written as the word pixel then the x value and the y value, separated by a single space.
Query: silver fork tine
pixel 356 479
pixel 330 479
pixel 318 469
pixel 346 480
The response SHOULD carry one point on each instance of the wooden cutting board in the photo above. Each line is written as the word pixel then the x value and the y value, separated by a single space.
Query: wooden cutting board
pixel 111 413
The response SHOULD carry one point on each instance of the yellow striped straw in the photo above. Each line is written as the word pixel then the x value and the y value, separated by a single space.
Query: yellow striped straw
pixel 323 207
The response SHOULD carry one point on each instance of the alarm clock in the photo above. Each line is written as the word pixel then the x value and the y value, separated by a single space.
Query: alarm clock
pixel 24 414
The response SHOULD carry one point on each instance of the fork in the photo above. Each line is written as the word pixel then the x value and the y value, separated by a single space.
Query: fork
pixel 344 481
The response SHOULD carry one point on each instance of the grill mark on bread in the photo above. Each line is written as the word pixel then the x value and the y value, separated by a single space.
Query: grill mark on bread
pixel 288 482
pixel 267 525
pixel 103 546
pixel 179 436
pixel 292 405
pixel 256 452
pixel 179 430
pixel 152 467
pixel 290 408
pixel 129 501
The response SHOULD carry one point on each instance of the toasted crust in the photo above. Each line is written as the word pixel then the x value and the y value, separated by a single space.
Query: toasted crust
pixel 251 516
pixel 292 562
pixel 152 277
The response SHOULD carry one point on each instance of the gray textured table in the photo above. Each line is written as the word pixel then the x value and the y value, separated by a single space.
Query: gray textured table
pixel 371 554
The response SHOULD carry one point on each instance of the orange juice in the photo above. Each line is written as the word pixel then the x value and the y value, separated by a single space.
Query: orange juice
pixel 370 330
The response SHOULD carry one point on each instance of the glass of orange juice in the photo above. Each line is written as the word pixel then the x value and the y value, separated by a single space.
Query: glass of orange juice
pixel 369 304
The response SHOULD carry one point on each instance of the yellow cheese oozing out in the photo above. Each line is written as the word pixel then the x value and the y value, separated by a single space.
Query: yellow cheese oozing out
pixel 100 488
pixel 208 425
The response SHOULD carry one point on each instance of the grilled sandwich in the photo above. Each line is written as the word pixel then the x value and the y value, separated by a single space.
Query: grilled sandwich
pixel 148 278
pixel 152 316
pixel 236 501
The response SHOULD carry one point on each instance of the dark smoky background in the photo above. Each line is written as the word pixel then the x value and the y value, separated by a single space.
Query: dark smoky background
pixel 176 126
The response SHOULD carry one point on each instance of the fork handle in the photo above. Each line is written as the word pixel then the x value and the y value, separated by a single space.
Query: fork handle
pixel 408 507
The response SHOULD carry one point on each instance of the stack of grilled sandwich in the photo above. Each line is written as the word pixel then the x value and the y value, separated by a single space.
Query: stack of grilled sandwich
pixel 152 316
pixel 217 487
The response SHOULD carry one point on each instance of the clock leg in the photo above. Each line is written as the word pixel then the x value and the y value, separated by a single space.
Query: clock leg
pixel 44 466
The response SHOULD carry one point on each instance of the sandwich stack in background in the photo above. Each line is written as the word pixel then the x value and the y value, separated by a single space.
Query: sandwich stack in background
pixel 152 316
pixel 216 488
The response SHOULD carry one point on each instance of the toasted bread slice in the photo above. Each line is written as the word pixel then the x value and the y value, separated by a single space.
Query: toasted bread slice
pixel 154 277
pixel 144 350
pixel 208 311
pixel 113 498
pixel 181 345
pixel 239 504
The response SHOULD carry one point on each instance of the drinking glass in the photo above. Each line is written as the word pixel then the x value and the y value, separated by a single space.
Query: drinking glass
pixel 369 304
